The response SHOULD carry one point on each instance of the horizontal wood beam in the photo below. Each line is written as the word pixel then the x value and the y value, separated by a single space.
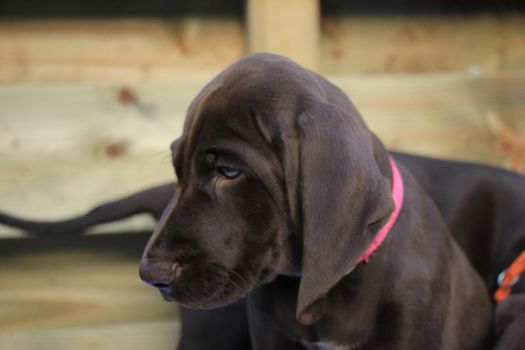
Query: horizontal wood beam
pixel 76 145
pixel 116 50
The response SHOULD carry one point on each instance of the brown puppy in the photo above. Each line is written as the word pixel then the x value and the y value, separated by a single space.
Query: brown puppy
pixel 280 181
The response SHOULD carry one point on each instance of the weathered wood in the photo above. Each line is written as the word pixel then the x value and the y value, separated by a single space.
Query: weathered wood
pixel 81 293
pixel 290 28
pixel 76 145
pixel 415 44
pixel 70 137
pixel 117 50
pixel 445 115
pixel 166 50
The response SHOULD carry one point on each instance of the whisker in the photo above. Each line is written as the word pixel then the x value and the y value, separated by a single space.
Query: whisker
pixel 162 157
pixel 236 274
pixel 232 282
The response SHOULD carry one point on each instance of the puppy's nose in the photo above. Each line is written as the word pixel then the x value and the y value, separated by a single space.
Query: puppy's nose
pixel 160 274
pixel 160 285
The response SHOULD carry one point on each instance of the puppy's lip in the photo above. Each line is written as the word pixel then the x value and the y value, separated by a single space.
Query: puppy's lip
pixel 176 291
pixel 166 295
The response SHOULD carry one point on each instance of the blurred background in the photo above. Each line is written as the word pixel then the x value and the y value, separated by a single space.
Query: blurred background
pixel 93 92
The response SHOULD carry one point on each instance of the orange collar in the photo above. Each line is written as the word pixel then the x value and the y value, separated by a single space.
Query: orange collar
pixel 509 277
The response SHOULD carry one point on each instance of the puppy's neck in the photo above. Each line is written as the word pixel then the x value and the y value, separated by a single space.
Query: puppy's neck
pixel 381 157
pixel 290 264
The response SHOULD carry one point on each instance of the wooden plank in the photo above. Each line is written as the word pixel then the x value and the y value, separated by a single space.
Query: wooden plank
pixel 289 28
pixel 415 44
pixel 76 145
pixel 444 115
pixel 81 293
pixel 69 138
pixel 132 336
pixel 166 50
pixel 117 49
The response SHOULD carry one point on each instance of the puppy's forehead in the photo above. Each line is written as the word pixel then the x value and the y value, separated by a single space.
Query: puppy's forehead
pixel 259 89
pixel 248 97
pixel 231 127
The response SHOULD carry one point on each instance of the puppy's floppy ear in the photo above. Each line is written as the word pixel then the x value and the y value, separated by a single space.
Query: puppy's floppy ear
pixel 344 200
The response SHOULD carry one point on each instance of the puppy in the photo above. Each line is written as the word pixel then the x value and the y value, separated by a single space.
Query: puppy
pixel 287 198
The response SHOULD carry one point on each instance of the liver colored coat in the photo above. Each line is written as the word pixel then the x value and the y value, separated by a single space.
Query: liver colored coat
pixel 281 189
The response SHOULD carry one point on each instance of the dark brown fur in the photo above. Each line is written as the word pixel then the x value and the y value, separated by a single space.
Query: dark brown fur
pixel 314 191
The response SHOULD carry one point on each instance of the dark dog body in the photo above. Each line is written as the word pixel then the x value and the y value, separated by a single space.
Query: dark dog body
pixel 483 206
pixel 455 203
pixel 361 311
pixel 484 209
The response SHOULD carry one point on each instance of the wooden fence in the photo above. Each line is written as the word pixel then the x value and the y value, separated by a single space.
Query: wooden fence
pixel 88 109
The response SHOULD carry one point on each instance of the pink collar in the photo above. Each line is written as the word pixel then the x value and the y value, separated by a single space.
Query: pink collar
pixel 397 193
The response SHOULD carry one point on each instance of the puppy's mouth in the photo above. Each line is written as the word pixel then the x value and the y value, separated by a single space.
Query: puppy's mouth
pixel 203 288
pixel 201 284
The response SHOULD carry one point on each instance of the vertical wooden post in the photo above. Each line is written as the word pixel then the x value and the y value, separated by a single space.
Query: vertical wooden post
pixel 286 27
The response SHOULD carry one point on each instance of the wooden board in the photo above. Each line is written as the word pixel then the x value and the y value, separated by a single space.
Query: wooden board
pixel 169 49
pixel 117 49
pixel 77 145
pixel 64 148
pixel 454 116
pixel 417 44
pixel 81 293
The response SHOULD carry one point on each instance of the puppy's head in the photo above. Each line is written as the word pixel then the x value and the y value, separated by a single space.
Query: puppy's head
pixel 277 175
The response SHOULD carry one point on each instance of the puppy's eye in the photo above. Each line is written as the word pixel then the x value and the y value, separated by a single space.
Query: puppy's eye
pixel 227 171
pixel 221 166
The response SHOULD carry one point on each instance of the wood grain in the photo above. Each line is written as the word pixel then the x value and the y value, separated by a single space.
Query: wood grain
pixel 270 28
pixel 418 44
pixel 117 49
pixel 138 50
